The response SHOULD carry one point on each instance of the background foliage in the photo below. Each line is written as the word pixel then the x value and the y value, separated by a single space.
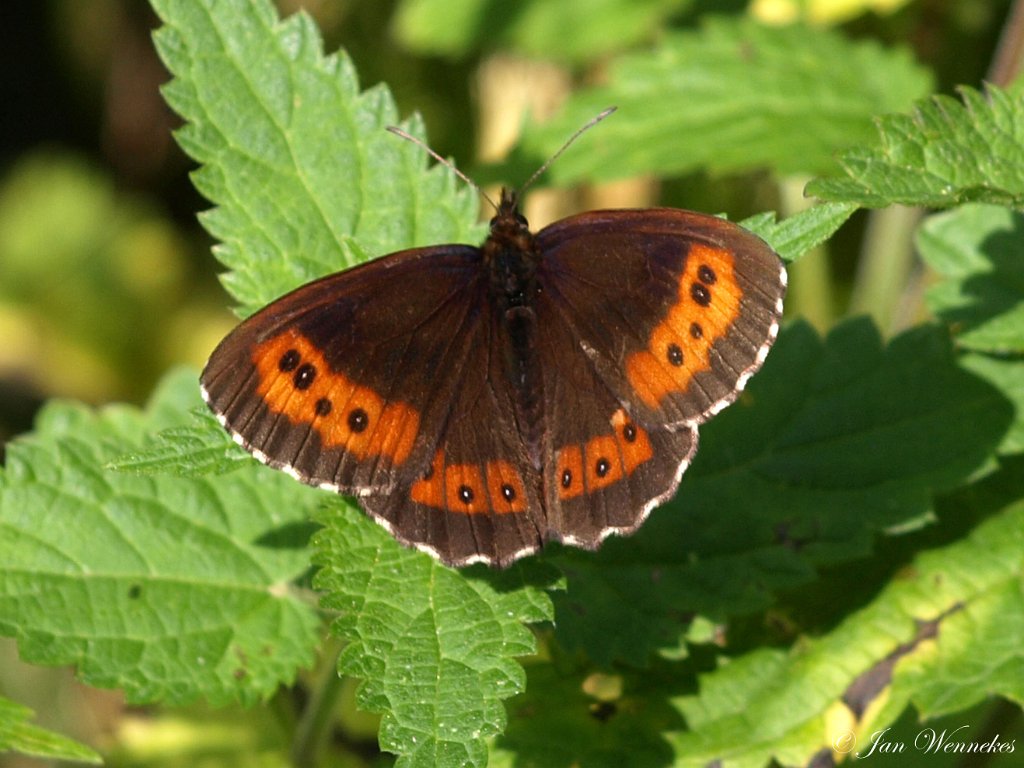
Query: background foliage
pixel 845 555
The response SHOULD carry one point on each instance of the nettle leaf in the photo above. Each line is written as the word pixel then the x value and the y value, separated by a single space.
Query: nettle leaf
pixel 1007 375
pixel 533 27
pixel 942 637
pixel 977 613
pixel 169 588
pixel 197 449
pixel 942 154
pixel 600 719
pixel 435 647
pixel 18 735
pixel 936 635
pixel 305 177
pixel 979 250
pixel 832 442
pixel 795 235
pixel 731 96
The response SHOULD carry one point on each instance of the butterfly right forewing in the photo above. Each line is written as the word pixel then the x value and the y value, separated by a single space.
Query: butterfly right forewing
pixel 660 316
pixel 675 309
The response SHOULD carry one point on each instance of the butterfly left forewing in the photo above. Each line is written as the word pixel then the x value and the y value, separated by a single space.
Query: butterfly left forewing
pixel 385 382
pixel 334 382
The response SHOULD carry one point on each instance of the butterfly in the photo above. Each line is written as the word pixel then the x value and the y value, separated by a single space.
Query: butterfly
pixel 481 401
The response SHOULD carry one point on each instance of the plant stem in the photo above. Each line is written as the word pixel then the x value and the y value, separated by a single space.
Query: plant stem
pixel 886 260
pixel 1010 50
pixel 315 724
pixel 810 279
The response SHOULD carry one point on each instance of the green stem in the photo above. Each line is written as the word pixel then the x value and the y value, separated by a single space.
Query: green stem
pixel 810 279
pixel 886 260
pixel 1007 59
pixel 314 726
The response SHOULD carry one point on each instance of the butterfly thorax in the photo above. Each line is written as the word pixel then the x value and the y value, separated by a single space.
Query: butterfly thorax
pixel 511 255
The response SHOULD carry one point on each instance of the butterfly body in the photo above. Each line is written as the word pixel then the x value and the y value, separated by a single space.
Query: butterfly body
pixel 482 401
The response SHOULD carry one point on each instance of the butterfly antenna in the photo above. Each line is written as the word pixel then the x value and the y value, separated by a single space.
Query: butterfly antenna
pixel 442 160
pixel 583 129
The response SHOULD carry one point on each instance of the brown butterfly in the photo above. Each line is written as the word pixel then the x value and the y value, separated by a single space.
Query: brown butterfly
pixel 481 401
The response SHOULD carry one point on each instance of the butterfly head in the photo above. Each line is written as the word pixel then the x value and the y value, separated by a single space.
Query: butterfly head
pixel 507 220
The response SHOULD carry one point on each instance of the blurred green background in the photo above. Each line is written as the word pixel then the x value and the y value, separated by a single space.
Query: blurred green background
pixel 106 277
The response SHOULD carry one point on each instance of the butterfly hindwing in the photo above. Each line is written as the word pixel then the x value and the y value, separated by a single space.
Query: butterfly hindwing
pixel 604 471
pixel 480 497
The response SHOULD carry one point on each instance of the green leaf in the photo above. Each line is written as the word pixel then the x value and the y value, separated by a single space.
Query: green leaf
pixel 1006 375
pixel 18 735
pixel 981 597
pixel 797 234
pixel 942 636
pixel 942 154
pixel 655 717
pixel 979 251
pixel 169 588
pixel 305 178
pixel 434 646
pixel 204 448
pixel 832 442
pixel 532 27
pixel 731 96
pixel 565 719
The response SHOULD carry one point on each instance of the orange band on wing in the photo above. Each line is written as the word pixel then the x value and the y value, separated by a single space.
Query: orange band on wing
pixel 429 489
pixel 633 442
pixel 495 486
pixel 602 460
pixel 505 487
pixel 707 306
pixel 602 463
pixel 296 381
pixel 569 472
